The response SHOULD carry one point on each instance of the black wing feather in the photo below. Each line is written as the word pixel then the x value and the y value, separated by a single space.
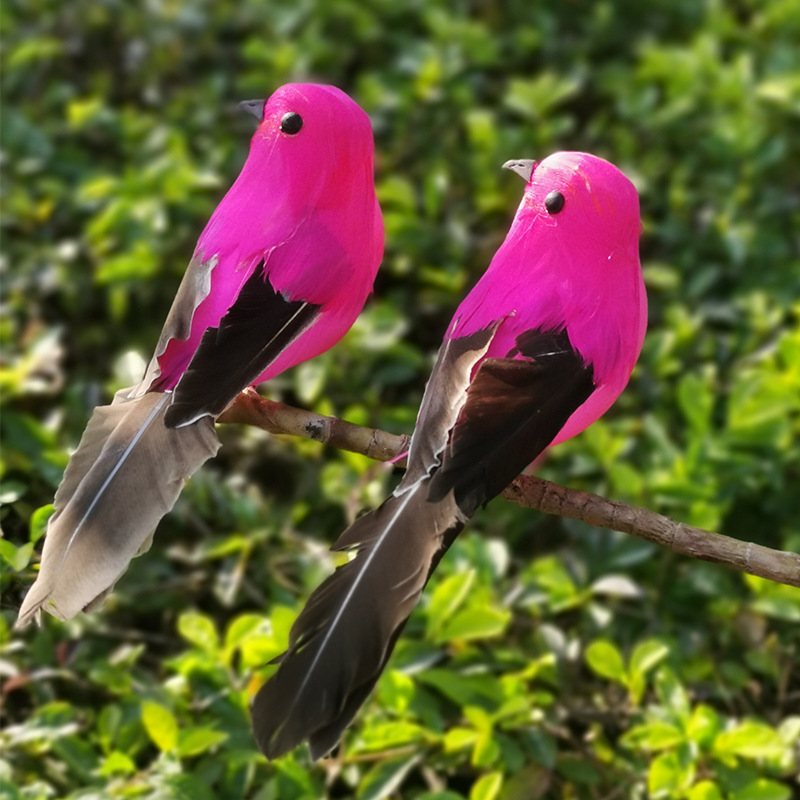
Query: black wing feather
pixel 340 643
pixel 513 410
pixel 259 325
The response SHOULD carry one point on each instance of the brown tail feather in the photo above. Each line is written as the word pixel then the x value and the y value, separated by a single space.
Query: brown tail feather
pixel 344 636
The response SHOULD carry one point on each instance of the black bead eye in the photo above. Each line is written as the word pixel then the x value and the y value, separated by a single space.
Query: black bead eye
pixel 291 122
pixel 554 202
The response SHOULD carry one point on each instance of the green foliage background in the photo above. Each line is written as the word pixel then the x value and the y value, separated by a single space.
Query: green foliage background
pixel 548 659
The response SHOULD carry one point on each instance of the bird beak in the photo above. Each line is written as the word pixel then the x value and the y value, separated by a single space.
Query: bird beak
pixel 522 166
pixel 254 107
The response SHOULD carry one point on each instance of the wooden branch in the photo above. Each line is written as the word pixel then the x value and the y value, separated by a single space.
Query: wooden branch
pixel 250 408
pixel 529 492
pixel 755 559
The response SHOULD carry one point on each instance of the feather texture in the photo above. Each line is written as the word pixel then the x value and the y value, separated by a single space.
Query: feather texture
pixel 342 639
pixel 255 330
pixel 126 474
pixel 279 274
pixel 513 409
pixel 442 401
pixel 538 350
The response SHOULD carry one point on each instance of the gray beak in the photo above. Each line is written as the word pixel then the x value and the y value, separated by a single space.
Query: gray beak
pixel 254 107
pixel 522 166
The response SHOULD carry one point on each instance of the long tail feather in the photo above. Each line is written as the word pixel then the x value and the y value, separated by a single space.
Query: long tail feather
pixel 342 639
pixel 125 475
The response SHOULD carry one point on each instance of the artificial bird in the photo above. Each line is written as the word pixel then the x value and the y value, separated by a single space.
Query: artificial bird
pixel 539 349
pixel 279 275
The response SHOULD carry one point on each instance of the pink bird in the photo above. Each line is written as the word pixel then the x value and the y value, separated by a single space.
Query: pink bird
pixel 540 348
pixel 279 275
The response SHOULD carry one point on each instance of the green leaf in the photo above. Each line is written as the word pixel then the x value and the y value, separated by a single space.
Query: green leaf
pixel 669 775
pixel 671 692
pixel 762 789
pixel 193 741
pixel 385 778
pixel 479 717
pixel 705 790
pixel 161 726
pixel 643 659
pixel 696 397
pixel 33 49
pixel 654 735
pixel 243 627
pixel 448 595
pixel 386 735
pixel 752 740
pixel 17 557
pixel 38 522
pixel 536 97
pixel 550 574
pixel 108 725
pixel 605 660
pixel 775 599
pixel 475 623
pixel 248 633
pixel 703 726
pixel 78 754
pixel 138 263
pixel 309 380
pixel 394 190
pixel 487 787
pixel 543 747
pixel 396 690
pixel 300 780
pixel 117 763
pixel 199 630
pixel 646 656
pixel 486 750
pixel 447 795
pixel 464 690
pixel 459 739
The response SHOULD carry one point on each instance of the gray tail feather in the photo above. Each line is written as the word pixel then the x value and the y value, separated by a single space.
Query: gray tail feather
pixel 125 475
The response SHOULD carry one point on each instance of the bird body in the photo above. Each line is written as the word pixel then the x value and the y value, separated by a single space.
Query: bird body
pixel 539 349
pixel 279 274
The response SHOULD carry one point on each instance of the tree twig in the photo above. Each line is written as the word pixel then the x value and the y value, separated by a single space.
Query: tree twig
pixel 755 559
pixel 250 408
pixel 529 492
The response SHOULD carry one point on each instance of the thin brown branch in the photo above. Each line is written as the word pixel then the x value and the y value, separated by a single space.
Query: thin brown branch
pixel 755 559
pixel 529 492
pixel 250 408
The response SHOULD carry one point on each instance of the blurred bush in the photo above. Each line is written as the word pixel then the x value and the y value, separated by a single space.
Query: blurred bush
pixel 548 659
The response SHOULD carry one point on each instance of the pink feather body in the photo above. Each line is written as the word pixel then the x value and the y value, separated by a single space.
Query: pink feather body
pixel 539 349
pixel 279 274
pixel 304 211
pixel 578 269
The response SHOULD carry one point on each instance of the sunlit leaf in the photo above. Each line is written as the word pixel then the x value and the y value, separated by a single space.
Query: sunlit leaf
pixel 193 741
pixel 475 623
pixel 487 787
pixel 161 725
pixel 199 630
pixel 750 739
pixel 606 660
